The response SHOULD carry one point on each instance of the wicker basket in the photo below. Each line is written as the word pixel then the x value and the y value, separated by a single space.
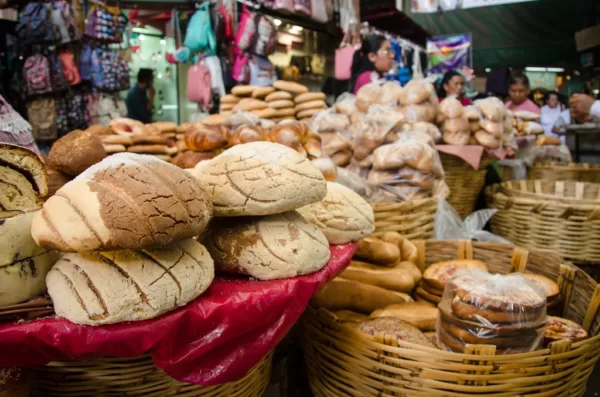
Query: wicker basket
pixel 139 376
pixel 465 183
pixel 413 219
pixel 554 171
pixel 344 362
pixel 561 217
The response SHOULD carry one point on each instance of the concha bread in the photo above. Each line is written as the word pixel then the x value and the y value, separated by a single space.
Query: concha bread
pixel 127 201
pixel 273 247
pixel 23 265
pixel 111 287
pixel 343 216
pixel 260 178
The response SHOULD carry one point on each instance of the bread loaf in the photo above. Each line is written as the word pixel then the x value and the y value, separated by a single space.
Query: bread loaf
pixel 343 216
pixel 290 87
pixel 309 97
pixel 206 138
pixel 261 178
pixel 421 315
pixel 125 126
pixel 111 287
pixel 408 251
pixel 274 247
pixel 278 95
pixel 392 279
pixel 23 265
pixel 340 294
pixel 126 201
pixel 261 92
pixel 23 180
pixel 377 251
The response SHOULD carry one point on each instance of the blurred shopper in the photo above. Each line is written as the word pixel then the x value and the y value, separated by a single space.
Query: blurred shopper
pixel 452 85
pixel 518 93
pixel 374 59
pixel 584 107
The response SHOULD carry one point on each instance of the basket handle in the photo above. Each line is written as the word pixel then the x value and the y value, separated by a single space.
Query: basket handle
pixel 566 281
pixel 464 249
pixel 592 309
pixel 518 262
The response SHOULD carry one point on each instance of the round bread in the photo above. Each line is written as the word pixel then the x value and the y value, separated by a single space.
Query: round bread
pixel 485 328
pixel 261 92
pixel 281 104
pixel 560 328
pixel 307 114
pixel 549 286
pixel 261 178
pixel 149 149
pixel 487 140
pixel 99 130
pixel 254 104
pixel 273 247
pixel 421 315
pixel 458 138
pixel 451 108
pixel 367 95
pixel 428 296
pixel 428 288
pixel 416 92
pixel 402 330
pixel 472 113
pixel 290 87
pixel 125 126
pixel 286 112
pixel 475 126
pixel 309 97
pixel 243 90
pixel 75 152
pixel 447 340
pixel 488 336
pixel 278 95
pixel 114 148
pixel 493 128
pixel 491 109
pixel 481 313
pixel 226 107
pixel 343 216
pixel 266 113
pixel 438 274
pixel 232 99
pixel 190 158
pixel 148 129
pixel 526 115
pixel 152 139
pixel 165 127
pixel 127 201
pixel 423 112
pixel 215 119
pixel 318 104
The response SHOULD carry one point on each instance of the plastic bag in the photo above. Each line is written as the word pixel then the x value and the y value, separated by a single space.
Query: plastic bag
pixel 491 109
pixel 345 104
pixel 386 115
pixel 328 121
pixel 450 226
pixel 422 112
pixel 408 152
pixel 354 182
pixel 451 108
pixel 417 92
pixel 368 133
pixel 241 118
pixel 480 308
pixel 429 128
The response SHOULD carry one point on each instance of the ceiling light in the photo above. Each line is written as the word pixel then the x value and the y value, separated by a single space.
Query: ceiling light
pixel 534 69
pixel 556 70
pixel 142 37
pixel 487 70
pixel 568 77
pixel 277 22
pixel 163 41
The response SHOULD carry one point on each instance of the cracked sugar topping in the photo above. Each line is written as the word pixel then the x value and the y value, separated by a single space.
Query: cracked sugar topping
pixel 118 160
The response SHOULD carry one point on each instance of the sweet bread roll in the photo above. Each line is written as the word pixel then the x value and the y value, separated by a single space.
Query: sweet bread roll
pixel 421 315
pixel 190 158
pixel 278 95
pixel 423 112
pixel 261 92
pixel 281 104
pixel 266 113
pixel 248 106
pixel 230 99
pixel 318 104
pixel 113 148
pixel 547 140
pixel 389 278
pixel 99 130
pixel 75 152
pixel 451 108
pixel 152 139
pixel 127 201
pixel 416 92
pixel 291 87
pixel 298 136
pixel 261 178
pixel 493 128
pixel 472 113
pixel 438 274
pixel 286 112
pixel 343 216
pixel 342 158
pixel 206 138
pixel 408 251
pixel 125 126
pixel 309 97
pixel 487 140
pixel 560 328
pixel 165 127
pixel 367 95
pixel 327 167
pixel 245 134
pixel 394 327
pixel 307 114
pixel 226 107
pixel 243 90
pixel 272 247
pixel 215 119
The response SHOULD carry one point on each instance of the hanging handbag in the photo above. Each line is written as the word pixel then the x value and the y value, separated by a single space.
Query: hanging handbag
pixel 344 57
pixel 71 72
pixel 262 72
pixel 41 114
pixel 199 35
pixel 199 83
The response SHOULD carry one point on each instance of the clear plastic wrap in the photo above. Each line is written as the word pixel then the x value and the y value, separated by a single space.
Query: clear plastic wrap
pixel 386 115
pixel 416 92
pixel 408 152
pixel 532 128
pixel 328 121
pixel 525 115
pixel 491 109
pixel 484 309
pixel 327 167
pixel 367 95
pixel 391 92
pixel 354 182
pixel 346 104
pixel 368 133
pixel 421 112
pixel 335 142
pixel 429 128
pixel 456 131
pixel 472 113
pixel 451 108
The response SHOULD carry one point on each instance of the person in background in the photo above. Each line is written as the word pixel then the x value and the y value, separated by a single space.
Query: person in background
pixel 372 61
pixel 518 92
pixel 14 129
pixel 140 97
pixel 452 85
pixel 551 112
pixel 584 107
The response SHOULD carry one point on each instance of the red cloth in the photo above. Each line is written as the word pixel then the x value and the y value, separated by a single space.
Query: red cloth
pixel 215 339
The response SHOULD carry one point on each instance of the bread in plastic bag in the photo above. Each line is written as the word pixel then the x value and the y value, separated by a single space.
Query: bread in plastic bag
pixel 456 131
pixel 334 142
pixel 241 118
pixel 422 112
pixel 532 128
pixel 367 95
pixel 491 108
pixel 416 154
pixel 451 108
pixel 342 158
pixel 416 92
pixel 385 114
pixel 368 133
pixel 328 121
pixel 496 129
pixel 356 183
pixel 525 115
pixel 391 92
pixel 487 140
pixel 472 113
pixel 474 126
pixel 431 129
pixel 404 176
pixel 345 104
pixel 480 308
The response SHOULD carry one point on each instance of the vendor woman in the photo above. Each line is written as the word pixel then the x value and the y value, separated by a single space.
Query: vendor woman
pixel 452 85
pixel 372 61
pixel 518 91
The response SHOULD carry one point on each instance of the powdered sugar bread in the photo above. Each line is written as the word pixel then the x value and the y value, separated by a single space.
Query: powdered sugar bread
pixel 127 201
pixel 560 328
pixel 261 178
pixel 112 287
pixel 343 216
pixel 402 330
pixel 273 247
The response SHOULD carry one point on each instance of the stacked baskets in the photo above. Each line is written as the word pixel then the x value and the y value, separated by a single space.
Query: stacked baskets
pixel 555 171
pixel 412 219
pixel 342 361
pixel 561 217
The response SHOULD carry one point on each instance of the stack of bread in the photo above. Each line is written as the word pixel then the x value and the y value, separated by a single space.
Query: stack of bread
pixel 126 226
pixel 333 129
pixel 527 123
pixel 419 102
pixel 408 169
pixel 483 309
pixel 454 123
pixel 23 264
pixel 285 100
pixel 436 276
pixel 387 94
pixel 492 128
pixel 429 128
pixel 259 191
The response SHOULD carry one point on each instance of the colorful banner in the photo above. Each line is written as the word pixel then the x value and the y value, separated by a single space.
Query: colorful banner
pixel 449 53
pixel 449 5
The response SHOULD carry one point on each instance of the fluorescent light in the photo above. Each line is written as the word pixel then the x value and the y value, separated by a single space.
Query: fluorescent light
pixel 596 92
pixel 142 37
pixel 487 70
pixel 556 70
pixel 163 41
pixel 277 22
pixel 568 77
pixel 535 69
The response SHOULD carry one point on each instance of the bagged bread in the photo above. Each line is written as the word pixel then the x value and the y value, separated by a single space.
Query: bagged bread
pixel 355 183
pixel 327 121
pixel 261 178
pixel 456 131
pixel 296 135
pixel 416 92
pixel 272 247
pixel 334 142
pixel 532 128
pixel 496 129
pixel 410 152
pixel 429 128
pixel 487 140
pixel 391 92
pixel 472 113
pixel 422 112
pixel 419 314
pixel 327 167
pixel 97 288
pixel 451 108
pixel 367 95
pixel 524 115
pixel 491 108
pixel 368 134
pixel 127 201
pixel 343 216
pixel 346 104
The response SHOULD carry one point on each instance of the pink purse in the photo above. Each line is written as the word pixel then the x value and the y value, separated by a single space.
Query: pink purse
pixel 199 84
pixel 343 62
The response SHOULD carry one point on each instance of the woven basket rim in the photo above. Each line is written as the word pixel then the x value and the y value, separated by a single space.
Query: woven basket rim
pixel 512 190
pixel 584 167
pixel 386 206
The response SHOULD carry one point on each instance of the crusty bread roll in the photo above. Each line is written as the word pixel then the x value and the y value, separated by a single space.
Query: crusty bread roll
pixel 116 140
pixel 451 108
pixel 112 287
pixel 243 90
pixel 261 92
pixel 99 130
pixel 272 247
pixel 290 87
pixel 493 128
pixel 286 113
pixel 281 104
pixel 423 112
pixel 298 136
pixel 341 294
pixel 261 178
pixel 126 201
pixel 23 264
pixel 421 315
pixel 401 330
pixel 377 251
pixel 342 158
pixel 113 148
pixel 248 106
pixel 152 139
pixel 23 180
pixel 245 134
pixel 389 278
pixel 318 104
pixel 309 97
pixel 278 95
pixel 544 140
pixel 487 140
pixel 367 95
pixel 472 113
pixel 230 99
pixel 215 119
pixel 343 216
pixel 408 251
pixel 75 152
pixel 266 113
pixel 308 113
pixel 189 159
pixel 416 92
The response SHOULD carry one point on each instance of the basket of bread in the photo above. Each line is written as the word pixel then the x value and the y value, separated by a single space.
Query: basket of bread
pixel 551 216
pixel 453 318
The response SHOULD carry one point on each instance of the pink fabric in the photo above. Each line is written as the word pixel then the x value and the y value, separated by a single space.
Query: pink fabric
pixel 363 79
pixel 528 105
pixel 470 153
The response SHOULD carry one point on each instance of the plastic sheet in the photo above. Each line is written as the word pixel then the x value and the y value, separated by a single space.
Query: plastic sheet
pixel 346 104
pixel 215 339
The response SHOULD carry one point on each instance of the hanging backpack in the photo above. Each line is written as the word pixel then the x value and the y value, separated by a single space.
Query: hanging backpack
pixel 59 82
pixel 108 109
pixel 85 63
pixel 320 11
pixel 256 34
pixel 63 19
pixel 36 73
pixel 123 74
pixel 62 120
pixel 262 72
pixel 90 107
pixel 75 108
pixel 228 34
pixel 199 83
pixel 41 114
pixel 241 68
pixel 102 25
pixel 35 24
pixel 199 35
pixel 70 68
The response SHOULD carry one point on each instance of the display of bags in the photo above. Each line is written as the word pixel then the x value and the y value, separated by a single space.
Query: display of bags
pixel 63 18
pixel 85 62
pixel 109 71
pixel 199 35
pixel 256 34
pixel 199 83
pixel 62 120
pixel 71 72
pixel 108 109
pixel 213 63
pixel 59 82
pixel 241 67
pixel 262 71
pixel 106 24
pixel 90 107
pixel 41 114
pixel 343 62
pixel 35 24
pixel 304 6
pixel 36 73
pixel 283 5
pixel 75 108
pixel 322 11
